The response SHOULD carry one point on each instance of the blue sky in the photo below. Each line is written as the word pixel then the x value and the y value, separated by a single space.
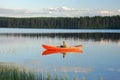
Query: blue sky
pixel 59 8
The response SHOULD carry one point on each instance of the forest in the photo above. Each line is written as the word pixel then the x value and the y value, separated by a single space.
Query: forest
pixel 95 22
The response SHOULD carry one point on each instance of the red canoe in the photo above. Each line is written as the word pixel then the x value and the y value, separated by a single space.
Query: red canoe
pixel 61 49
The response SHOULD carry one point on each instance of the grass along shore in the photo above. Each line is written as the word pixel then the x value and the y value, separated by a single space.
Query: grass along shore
pixel 9 72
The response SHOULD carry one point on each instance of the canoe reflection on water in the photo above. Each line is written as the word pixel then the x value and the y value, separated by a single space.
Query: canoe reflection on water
pixel 48 52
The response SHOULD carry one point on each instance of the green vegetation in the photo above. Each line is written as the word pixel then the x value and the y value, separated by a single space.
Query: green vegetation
pixel 96 22
pixel 15 73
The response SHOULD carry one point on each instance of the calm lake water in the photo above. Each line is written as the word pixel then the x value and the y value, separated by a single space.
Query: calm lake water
pixel 99 59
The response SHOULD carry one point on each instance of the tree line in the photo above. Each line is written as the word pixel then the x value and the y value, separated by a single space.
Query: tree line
pixel 95 22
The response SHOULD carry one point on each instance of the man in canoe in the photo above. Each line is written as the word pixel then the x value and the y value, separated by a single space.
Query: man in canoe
pixel 64 45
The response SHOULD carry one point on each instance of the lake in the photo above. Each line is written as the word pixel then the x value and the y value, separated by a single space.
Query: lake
pixel 99 59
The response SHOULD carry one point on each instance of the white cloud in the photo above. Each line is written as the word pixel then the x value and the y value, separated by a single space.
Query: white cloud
pixel 109 12
pixel 104 12
pixel 56 12
pixel 12 11
pixel 64 8
pixel 22 12
pixel 119 10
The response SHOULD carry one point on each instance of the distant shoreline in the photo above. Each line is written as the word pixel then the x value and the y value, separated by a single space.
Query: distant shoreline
pixel 95 22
